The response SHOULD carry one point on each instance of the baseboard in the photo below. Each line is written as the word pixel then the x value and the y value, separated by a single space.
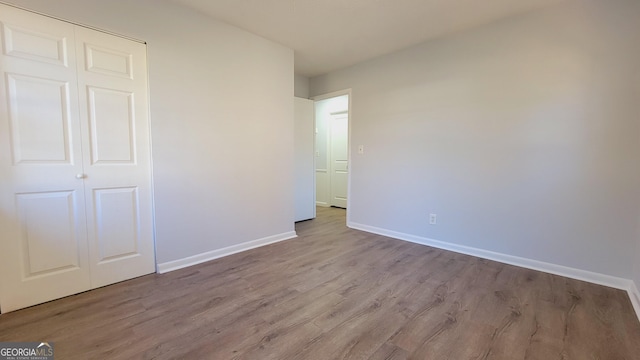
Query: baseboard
pixel 215 254
pixel 634 295
pixel 592 277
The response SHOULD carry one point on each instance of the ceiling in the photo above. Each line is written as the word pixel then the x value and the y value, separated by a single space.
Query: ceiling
pixel 332 34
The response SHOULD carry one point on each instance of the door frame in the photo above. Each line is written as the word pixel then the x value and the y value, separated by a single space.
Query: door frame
pixel 334 94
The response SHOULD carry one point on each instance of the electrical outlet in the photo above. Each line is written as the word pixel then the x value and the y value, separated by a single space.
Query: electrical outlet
pixel 433 219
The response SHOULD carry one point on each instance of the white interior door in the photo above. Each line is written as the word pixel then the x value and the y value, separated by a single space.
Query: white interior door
pixel 339 159
pixel 75 194
pixel 43 247
pixel 304 163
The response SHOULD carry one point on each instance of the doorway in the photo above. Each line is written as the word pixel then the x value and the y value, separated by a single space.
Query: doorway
pixel 332 149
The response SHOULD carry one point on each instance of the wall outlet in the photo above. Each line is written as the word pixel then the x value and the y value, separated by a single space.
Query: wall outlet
pixel 433 219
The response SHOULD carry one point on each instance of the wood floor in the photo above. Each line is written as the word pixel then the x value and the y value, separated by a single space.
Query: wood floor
pixel 337 293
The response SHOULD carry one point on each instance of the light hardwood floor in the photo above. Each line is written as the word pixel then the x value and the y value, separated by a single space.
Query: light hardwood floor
pixel 337 293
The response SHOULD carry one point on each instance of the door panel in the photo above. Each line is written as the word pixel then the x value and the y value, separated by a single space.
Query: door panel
pixel 48 232
pixel 339 159
pixel 30 44
pixel 339 182
pixel 109 62
pixel 47 255
pixel 39 134
pixel 111 125
pixel 114 105
pixel 117 225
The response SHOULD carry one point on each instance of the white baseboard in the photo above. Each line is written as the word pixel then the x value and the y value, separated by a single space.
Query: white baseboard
pixel 215 254
pixel 592 277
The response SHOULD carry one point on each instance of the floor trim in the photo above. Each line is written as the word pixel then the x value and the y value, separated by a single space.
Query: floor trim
pixel 215 254
pixel 584 275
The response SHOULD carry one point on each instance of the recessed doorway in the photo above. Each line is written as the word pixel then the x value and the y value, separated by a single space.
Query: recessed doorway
pixel 332 149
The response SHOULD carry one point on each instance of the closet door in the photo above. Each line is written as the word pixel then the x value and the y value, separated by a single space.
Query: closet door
pixel 112 81
pixel 75 185
pixel 43 237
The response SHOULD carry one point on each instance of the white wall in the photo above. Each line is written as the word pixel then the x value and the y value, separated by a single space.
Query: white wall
pixel 324 109
pixel 521 135
pixel 221 122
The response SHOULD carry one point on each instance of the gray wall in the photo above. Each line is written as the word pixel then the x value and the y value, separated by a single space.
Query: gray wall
pixel 221 122
pixel 521 135
pixel 301 86
pixel 636 274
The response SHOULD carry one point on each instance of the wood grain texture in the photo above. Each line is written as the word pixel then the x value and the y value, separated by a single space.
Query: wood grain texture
pixel 337 293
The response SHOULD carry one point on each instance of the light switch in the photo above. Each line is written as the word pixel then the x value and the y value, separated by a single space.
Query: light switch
pixel 361 149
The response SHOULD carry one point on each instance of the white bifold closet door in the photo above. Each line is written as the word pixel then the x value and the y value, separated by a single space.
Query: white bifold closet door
pixel 75 187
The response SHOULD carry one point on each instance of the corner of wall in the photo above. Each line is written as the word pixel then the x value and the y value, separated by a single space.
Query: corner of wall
pixel 634 296
pixel 634 287
pixel 301 86
pixel 216 254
